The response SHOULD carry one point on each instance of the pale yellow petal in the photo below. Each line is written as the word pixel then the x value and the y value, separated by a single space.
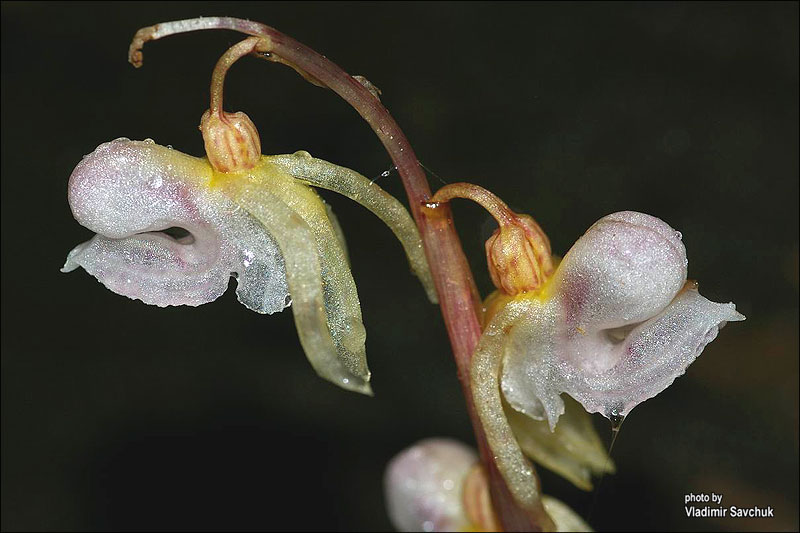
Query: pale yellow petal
pixel 573 450
pixel 342 305
pixel 337 228
pixel 320 173
pixel 485 382
pixel 566 519
pixel 327 347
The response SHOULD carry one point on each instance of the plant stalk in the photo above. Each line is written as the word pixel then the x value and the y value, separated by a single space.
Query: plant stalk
pixel 458 296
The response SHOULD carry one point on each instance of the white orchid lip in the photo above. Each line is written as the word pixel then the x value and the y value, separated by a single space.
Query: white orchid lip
pixel 133 194
pixel 622 323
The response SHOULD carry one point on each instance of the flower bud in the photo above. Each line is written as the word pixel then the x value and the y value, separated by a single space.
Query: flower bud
pixel 231 140
pixel 424 486
pixel 518 255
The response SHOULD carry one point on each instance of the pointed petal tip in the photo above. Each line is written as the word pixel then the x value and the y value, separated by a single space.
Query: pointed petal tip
pixel 354 384
pixel 563 516
pixel 735 316
pixel 430 291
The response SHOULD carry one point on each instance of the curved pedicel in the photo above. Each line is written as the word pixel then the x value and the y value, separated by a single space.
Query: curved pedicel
pixel 129 192
pixel 319 173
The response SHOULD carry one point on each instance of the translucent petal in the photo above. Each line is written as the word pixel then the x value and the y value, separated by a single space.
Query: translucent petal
pixel 337 228
pixel 612 328
pixel 653 354
pixel 324 300
pixel 565 518
pixel 130 191
pixel 573 450
pixel 320 173
pixel 485 384
pixel 341 303
pixel 531 376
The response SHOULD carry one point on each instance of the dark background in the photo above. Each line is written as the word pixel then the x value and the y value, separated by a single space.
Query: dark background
pixel 117 415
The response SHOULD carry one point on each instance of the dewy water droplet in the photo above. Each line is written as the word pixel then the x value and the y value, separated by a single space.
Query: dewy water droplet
pixel 248 258
pixel 616 422
pixel 616 419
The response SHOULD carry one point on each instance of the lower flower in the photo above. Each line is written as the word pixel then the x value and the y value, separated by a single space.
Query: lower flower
pixel 438 485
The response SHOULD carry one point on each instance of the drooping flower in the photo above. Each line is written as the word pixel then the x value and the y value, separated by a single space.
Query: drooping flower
pixel 615 324
pixel 611 326
pixel 173 228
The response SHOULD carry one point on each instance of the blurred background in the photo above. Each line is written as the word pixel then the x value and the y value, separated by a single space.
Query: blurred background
pixel 121 416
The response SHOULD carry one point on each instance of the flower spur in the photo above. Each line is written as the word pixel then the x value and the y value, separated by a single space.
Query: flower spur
pixel 240 214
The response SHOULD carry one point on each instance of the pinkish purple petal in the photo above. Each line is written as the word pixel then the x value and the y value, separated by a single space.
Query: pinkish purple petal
pixel 616 330
pixel 129 192
pixel 423 486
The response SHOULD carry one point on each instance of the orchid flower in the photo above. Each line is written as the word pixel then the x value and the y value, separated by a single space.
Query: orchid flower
pixel 612 325
pixel 172 228
pixel 438 485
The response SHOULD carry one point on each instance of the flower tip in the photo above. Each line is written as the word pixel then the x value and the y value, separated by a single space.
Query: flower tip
pixel 563 516
pixel 352 383
pixel 735 316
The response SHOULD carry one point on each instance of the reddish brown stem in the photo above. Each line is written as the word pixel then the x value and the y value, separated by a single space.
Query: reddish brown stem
pixel 224 63
pixel 486 199
pixel 458 296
